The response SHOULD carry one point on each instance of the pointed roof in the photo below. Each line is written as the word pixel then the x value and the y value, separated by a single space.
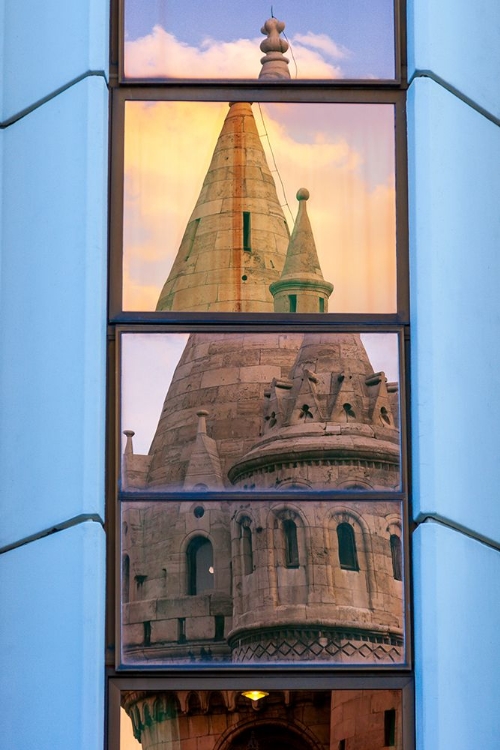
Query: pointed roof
pixel 235 241
pixel 204 469
pixel 302 262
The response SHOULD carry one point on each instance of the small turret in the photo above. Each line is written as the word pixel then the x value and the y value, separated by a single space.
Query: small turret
pixel 301 287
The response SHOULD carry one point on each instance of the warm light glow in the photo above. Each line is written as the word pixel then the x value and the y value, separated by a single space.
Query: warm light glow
pixel 255 695
pixel 342 153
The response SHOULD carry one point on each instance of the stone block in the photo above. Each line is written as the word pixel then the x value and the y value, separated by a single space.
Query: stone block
pixel 207 208
pixel 260 373
pixel 53 312
pixel 164 630
pixel 134 634
pixel 220 377
pixel 200 628
pixel 142 611
pixel 52 640
pixel 454 238
pixel 70 38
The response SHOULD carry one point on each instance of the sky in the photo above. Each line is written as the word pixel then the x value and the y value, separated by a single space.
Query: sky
pixel 329 38
pixel 127 739
pixel 342 153
pixel 149 361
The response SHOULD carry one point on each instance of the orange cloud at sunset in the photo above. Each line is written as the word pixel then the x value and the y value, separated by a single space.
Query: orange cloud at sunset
pixel 343 154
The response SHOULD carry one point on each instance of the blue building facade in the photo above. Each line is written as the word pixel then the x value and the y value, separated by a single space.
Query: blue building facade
pixel 53 251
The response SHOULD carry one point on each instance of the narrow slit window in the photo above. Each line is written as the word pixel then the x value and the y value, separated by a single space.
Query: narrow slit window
pixel 247 231
pixel 291 545
pixel 292 299
pixel 181 630
pixel 126 579
pixel 246 547
pixel 219 628
pixel 348 556
pixel 397 561
pixel 390 727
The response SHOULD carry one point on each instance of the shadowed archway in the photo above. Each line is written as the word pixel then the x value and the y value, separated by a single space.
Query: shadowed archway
pixel 268 737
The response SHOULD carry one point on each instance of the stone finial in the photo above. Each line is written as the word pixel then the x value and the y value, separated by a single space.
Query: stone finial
pixel 202 415
pixel 274 63
pixel 129 446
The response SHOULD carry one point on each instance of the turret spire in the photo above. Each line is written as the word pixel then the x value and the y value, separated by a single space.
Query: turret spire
pixel 301 287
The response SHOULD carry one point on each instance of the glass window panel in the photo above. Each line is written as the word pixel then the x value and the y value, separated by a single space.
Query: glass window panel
pixel 260 412
pixel 260 608
pixel 291 720
pixel 331 40
pixel 212 195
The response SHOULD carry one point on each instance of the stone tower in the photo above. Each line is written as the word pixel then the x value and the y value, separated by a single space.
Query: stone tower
pixel 249 579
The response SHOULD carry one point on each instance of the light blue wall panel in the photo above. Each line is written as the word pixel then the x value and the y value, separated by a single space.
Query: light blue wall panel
pixel 459 41
pixel 457 611
pixel 52 307
pixel 48 44
pixel 454 182
pixel 51 642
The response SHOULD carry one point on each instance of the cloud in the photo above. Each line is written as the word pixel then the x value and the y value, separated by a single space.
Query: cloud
pixel 168 147
pixel 323 43
pixel 160 55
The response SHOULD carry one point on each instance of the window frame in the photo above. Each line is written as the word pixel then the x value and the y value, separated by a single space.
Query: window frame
pixel 399 40
pixel 332 676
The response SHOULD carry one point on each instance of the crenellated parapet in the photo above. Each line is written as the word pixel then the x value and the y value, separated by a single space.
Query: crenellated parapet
pixel 329 425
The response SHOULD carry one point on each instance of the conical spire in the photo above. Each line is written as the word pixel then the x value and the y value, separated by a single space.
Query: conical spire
pixel 204 468
pixel 301 287
pixel 274 63
pixel 235 242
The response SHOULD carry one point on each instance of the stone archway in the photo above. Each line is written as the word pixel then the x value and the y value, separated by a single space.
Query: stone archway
pixel 268 737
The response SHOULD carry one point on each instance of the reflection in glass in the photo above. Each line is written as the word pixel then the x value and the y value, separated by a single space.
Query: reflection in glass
pixel 281 720
pixel 262 582
pixel 321 40
pixel 286 208
pixel 272 411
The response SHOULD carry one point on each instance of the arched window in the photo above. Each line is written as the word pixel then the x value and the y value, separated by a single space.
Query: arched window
pixel 291 546
pixel 397 561
pixel 200 565
pixel 348 557
pixel 246 546
pixel 125 579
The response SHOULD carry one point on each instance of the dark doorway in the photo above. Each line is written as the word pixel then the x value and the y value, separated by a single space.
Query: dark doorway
pixel 269 737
